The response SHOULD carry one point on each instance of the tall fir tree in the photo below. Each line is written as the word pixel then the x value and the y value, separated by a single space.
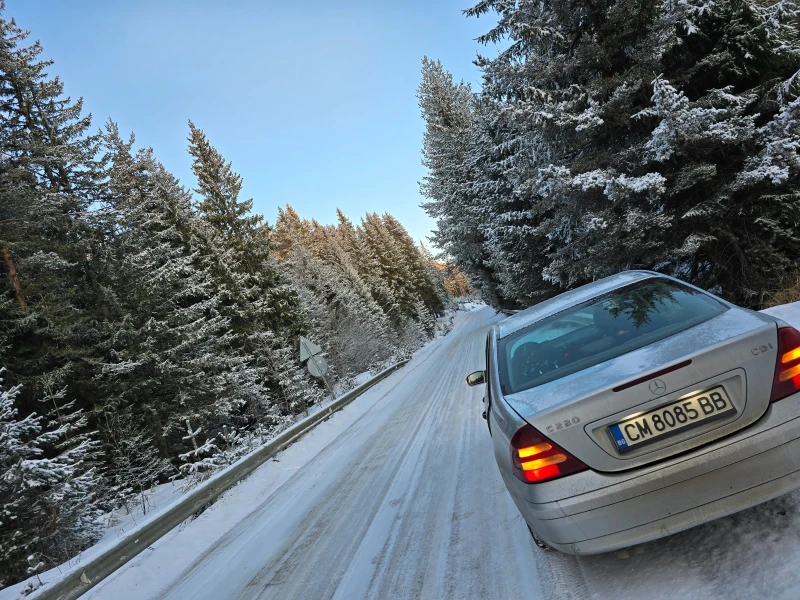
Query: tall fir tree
pixel 458 181
pixel 258 296
pixel 49 177
pixel 167 352
pixel 634 135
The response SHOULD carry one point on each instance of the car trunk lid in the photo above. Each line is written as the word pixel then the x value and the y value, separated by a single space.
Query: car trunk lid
pixel 732 355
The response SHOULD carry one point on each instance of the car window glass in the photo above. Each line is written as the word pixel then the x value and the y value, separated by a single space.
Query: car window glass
pixel 599 330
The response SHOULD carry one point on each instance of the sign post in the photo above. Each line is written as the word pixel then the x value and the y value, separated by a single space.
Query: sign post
pixel 317 365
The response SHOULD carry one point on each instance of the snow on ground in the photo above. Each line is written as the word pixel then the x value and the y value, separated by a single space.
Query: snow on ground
pixel 468 306
pixel 119 523
pixel 398 496
pixel 788 312
pixel 158 500
pixel 163 496
pixel 391 497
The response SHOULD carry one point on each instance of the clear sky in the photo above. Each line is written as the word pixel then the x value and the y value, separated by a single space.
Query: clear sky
pixel 313 102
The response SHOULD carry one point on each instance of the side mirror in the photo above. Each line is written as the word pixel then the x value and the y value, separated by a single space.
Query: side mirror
pixel 476 378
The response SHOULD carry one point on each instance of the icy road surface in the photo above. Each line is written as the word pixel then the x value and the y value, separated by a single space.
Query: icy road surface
pixel 398 496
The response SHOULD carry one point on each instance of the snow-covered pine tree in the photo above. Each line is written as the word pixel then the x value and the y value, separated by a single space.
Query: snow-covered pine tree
pixel 425 320
pixel 219 188
pixel 294 391
pixel 49 177
pixel 259 298
pixel 457 184
pixel 455 281
pixel 353 242
pixel 264 309
pixel 289 231
pixel 639 134
pixel 343 316
pixel 385 261
pixel 350 281
pixel 47 505
pixel 347 237
pixel 134 463
pixel 426 281
pixel 165 351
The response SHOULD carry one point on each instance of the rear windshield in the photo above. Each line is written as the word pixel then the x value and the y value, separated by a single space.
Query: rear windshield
pixel 599 330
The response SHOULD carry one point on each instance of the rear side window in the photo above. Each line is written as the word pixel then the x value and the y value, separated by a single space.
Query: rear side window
pixel 599 330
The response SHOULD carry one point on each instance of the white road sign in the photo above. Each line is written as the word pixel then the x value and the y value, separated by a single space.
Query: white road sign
pixel 317 366
pixel 308 349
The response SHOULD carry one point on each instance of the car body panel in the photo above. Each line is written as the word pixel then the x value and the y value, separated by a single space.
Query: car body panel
pixel 599 512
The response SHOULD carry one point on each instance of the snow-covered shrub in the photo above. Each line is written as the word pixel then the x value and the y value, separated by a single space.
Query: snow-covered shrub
pixel 47 504
pixel 134 465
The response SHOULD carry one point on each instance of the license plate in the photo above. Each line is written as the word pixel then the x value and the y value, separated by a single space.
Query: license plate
pixel 671 419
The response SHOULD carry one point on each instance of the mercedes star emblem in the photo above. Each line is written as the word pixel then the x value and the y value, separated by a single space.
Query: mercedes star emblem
pixel 657 386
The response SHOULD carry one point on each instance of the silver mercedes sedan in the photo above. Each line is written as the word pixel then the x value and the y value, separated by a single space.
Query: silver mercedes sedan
pixel 638 406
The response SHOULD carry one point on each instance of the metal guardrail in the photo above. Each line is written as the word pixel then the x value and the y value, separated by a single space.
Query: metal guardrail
pixel 82 578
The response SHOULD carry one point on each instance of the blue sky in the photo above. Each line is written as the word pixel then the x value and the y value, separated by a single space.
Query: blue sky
pixel 313 102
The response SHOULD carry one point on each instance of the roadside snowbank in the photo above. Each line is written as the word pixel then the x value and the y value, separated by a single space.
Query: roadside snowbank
pixel 788 312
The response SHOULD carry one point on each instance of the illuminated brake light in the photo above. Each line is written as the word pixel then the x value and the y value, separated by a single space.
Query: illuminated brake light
pixel 543 462
pixel 535 459
pixel 791 356
pixel 787 368
pixel 790 374
pixel 534 450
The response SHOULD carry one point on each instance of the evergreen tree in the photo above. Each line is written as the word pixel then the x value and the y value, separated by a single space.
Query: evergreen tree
pixel 385 263
pixel 46 493
pixel 49 177
pixel 344 318
pixel 294 391
pixel 258 297
pixel 423 277
pixel 634 134
pixel 361 257
pixel 134 464
pixel 289 231
pixel 219 188
pixel 167 351
pixel 456 152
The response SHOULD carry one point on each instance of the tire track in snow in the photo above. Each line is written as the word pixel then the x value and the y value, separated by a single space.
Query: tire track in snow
pixel 325 519
pixel 406 502
pixel 247 525
pixel 329 535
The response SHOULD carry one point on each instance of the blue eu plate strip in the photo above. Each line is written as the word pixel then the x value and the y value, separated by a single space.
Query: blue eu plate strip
pixel 618 437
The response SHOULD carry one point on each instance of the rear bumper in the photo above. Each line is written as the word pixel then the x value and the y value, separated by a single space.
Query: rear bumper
pixel 624 509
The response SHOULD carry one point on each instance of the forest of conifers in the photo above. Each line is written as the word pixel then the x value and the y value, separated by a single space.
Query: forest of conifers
pixel 149 331
pixel 621 134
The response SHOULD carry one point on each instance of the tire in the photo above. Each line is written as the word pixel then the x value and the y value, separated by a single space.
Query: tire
pixel 540 543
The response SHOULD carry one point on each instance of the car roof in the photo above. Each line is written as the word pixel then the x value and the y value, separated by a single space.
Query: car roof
pixel 549 307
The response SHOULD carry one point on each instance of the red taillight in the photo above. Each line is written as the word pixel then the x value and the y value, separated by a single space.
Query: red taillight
pixel 536 459
pixel 787 368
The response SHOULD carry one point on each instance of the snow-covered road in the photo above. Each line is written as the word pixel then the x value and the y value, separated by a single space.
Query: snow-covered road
pixel 398 496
